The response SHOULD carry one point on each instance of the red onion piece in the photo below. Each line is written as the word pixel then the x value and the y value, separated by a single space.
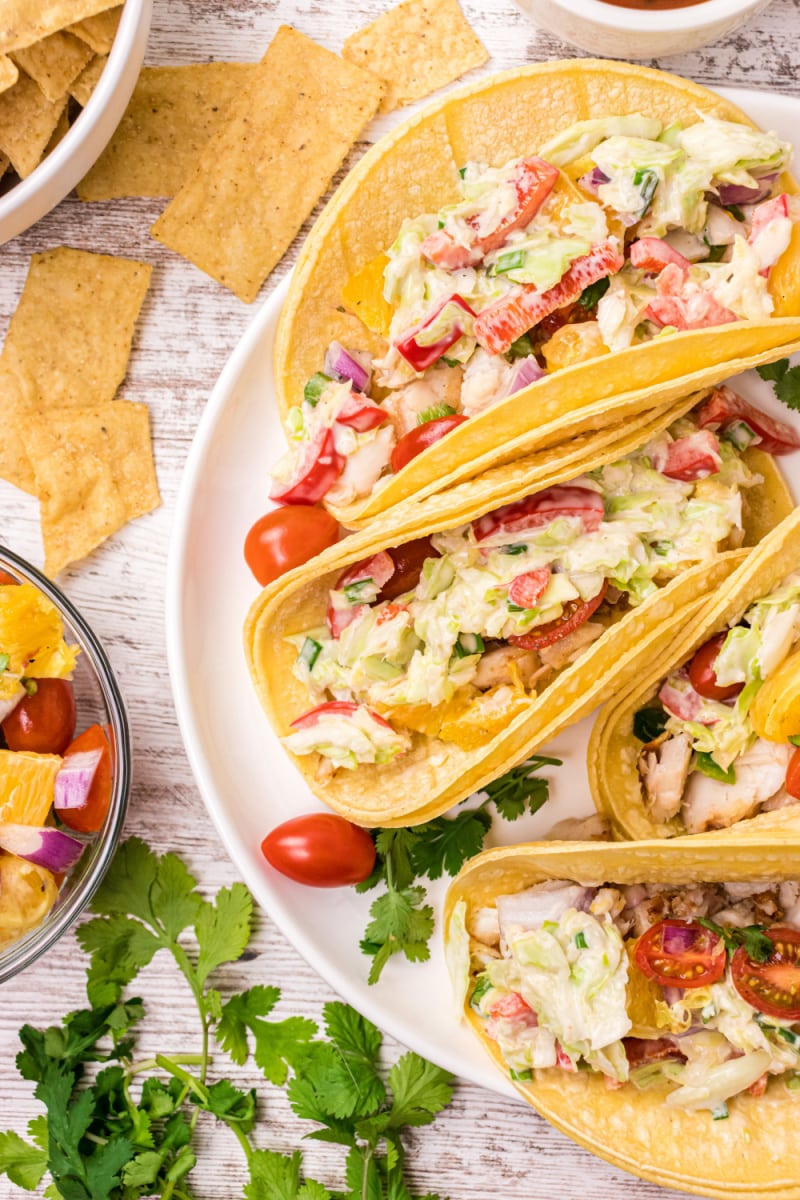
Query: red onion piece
pixel 348 364
pixel 526 371
pixel 74 779
pixel 677 939
pixel 733 193
pixel 48 848
pixel 592 180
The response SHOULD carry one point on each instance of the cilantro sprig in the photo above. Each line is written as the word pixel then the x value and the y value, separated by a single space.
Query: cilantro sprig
pixel 401 921
pixel 758 946
pixel 786 380
pixel 130 1131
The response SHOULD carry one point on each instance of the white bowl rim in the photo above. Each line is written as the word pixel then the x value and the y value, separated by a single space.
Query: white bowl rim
pixel 694 16
pixel 22 192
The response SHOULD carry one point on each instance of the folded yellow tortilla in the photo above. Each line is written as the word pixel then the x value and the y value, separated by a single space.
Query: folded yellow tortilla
pixel 414 169
pixel 613 752
pixel 436 774
pixel 751 1155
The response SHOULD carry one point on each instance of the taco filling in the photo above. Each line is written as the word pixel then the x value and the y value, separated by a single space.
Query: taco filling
pixel 451 635
pixel 719 745
pixel 692 990
pixel 619 231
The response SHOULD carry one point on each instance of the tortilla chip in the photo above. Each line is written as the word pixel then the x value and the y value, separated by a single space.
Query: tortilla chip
pixel 82 87
pixel 415 48
pixel 23 22
pixel 89 302
pixel 27 122
pixel 172 114
pixel 8 73
pixel 99 32
pixel 260 176
pixel 94 472
pixel 54 63
pixel 14 405
pixel 62 129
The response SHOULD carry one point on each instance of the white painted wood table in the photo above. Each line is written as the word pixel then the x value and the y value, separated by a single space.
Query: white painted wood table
pixel 483 1145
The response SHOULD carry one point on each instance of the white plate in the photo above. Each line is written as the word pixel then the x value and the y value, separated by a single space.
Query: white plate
pixel 245 778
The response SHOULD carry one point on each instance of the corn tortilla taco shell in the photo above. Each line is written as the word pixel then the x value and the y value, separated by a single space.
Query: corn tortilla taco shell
pixel 442 772
pixel 751 1154
pixel 415 169
pixel 613 751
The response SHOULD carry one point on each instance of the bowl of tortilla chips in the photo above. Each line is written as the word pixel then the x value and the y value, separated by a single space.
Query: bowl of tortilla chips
pixel 67 72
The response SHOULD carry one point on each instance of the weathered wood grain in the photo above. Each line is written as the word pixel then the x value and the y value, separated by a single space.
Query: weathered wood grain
pixel 482 1146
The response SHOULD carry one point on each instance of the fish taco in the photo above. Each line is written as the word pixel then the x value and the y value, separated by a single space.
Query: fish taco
pixel 541 241
pixel 708 738
pixel 644 999
pixel 403 665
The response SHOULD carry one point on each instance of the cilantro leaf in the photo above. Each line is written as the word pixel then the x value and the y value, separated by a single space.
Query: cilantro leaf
pixel 786 380
pixel 758 946
pixel 401 921
pixel 120 947
pixel 173 896
pixel 223 929
pixel 446 843
pixel 277 1177
pixel 363 1176
pixel 277 1043
pixel 231 1105
pixel 520 790
pixel 330 1089
pixel 125 890
pixel 23 1163
pixel 357 1042
pixel 420 1090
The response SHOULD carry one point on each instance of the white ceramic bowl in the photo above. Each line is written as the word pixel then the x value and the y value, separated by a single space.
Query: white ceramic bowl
pixel 57 175
pixel 613 32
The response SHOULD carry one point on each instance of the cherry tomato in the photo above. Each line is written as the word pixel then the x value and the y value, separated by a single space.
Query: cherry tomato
pixel 419 438
pixel 772 987
pixel 91 817
pixel 540 509
pixel 680 954
pixel 576 613
pixel 43 722
pixel 792 783
pixel 408 560
pixel 286 538
pixel 702 676
pixel 316 471
pixel 320 850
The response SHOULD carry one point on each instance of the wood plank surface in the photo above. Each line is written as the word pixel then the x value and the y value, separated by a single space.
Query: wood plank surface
pixel 483 1146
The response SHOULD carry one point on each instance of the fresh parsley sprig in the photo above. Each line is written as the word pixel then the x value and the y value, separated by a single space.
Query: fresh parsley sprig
pixel 131 1132
pixel 758 946
pixel 786 380
pixel 401 922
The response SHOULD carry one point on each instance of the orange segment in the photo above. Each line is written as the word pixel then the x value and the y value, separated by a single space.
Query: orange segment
pixel 27 893
pixel 32 634
pixel 362 295
pixel 27 783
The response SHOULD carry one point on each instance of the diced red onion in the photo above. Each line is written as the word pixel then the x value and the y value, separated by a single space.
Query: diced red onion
pixel 734 193
pixel 74 779
pixel 45 847
pixel 526 371
pixel 677 939
pixel 672 995
pixel 354 365
pixel 592 180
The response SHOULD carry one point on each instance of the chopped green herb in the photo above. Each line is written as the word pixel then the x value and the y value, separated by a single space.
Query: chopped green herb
pixel 580 941
pixel 516 548
pixel 483 984
pixel 356 593
pixel 786 380
pixel 310 652
pixel 647 181
pixel 706 764
pixel 649 724
pixel 315 387
pixel 591 295
pixel 434 413
pixel 757 944
pixel 795 739
pixel 450 362
pixel 462 172
pixel 735 212
pixel 715 253
pixel 30 685
pixel 521 1076
pixel 509 262
pixel 521 348
pixel 720 1113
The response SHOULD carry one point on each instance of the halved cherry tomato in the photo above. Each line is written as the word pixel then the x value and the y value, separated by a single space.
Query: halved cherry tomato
pixel 680 954
pixel 408 560
pixel 316 471
pixel 575 614
pixel 690 458
pixel 422 436
pixel 43 722
pixel 792 783
pixel 772 987
pixel 286 538
pixel 90 818
pixel 540 509
pixel 320 850
pixel 702 676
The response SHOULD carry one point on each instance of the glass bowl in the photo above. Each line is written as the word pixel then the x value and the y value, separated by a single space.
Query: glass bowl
pixel 97 699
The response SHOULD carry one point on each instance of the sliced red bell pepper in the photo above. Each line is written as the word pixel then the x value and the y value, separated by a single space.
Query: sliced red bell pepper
pixel 724 408
pixel 318 468
pixel 456 317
